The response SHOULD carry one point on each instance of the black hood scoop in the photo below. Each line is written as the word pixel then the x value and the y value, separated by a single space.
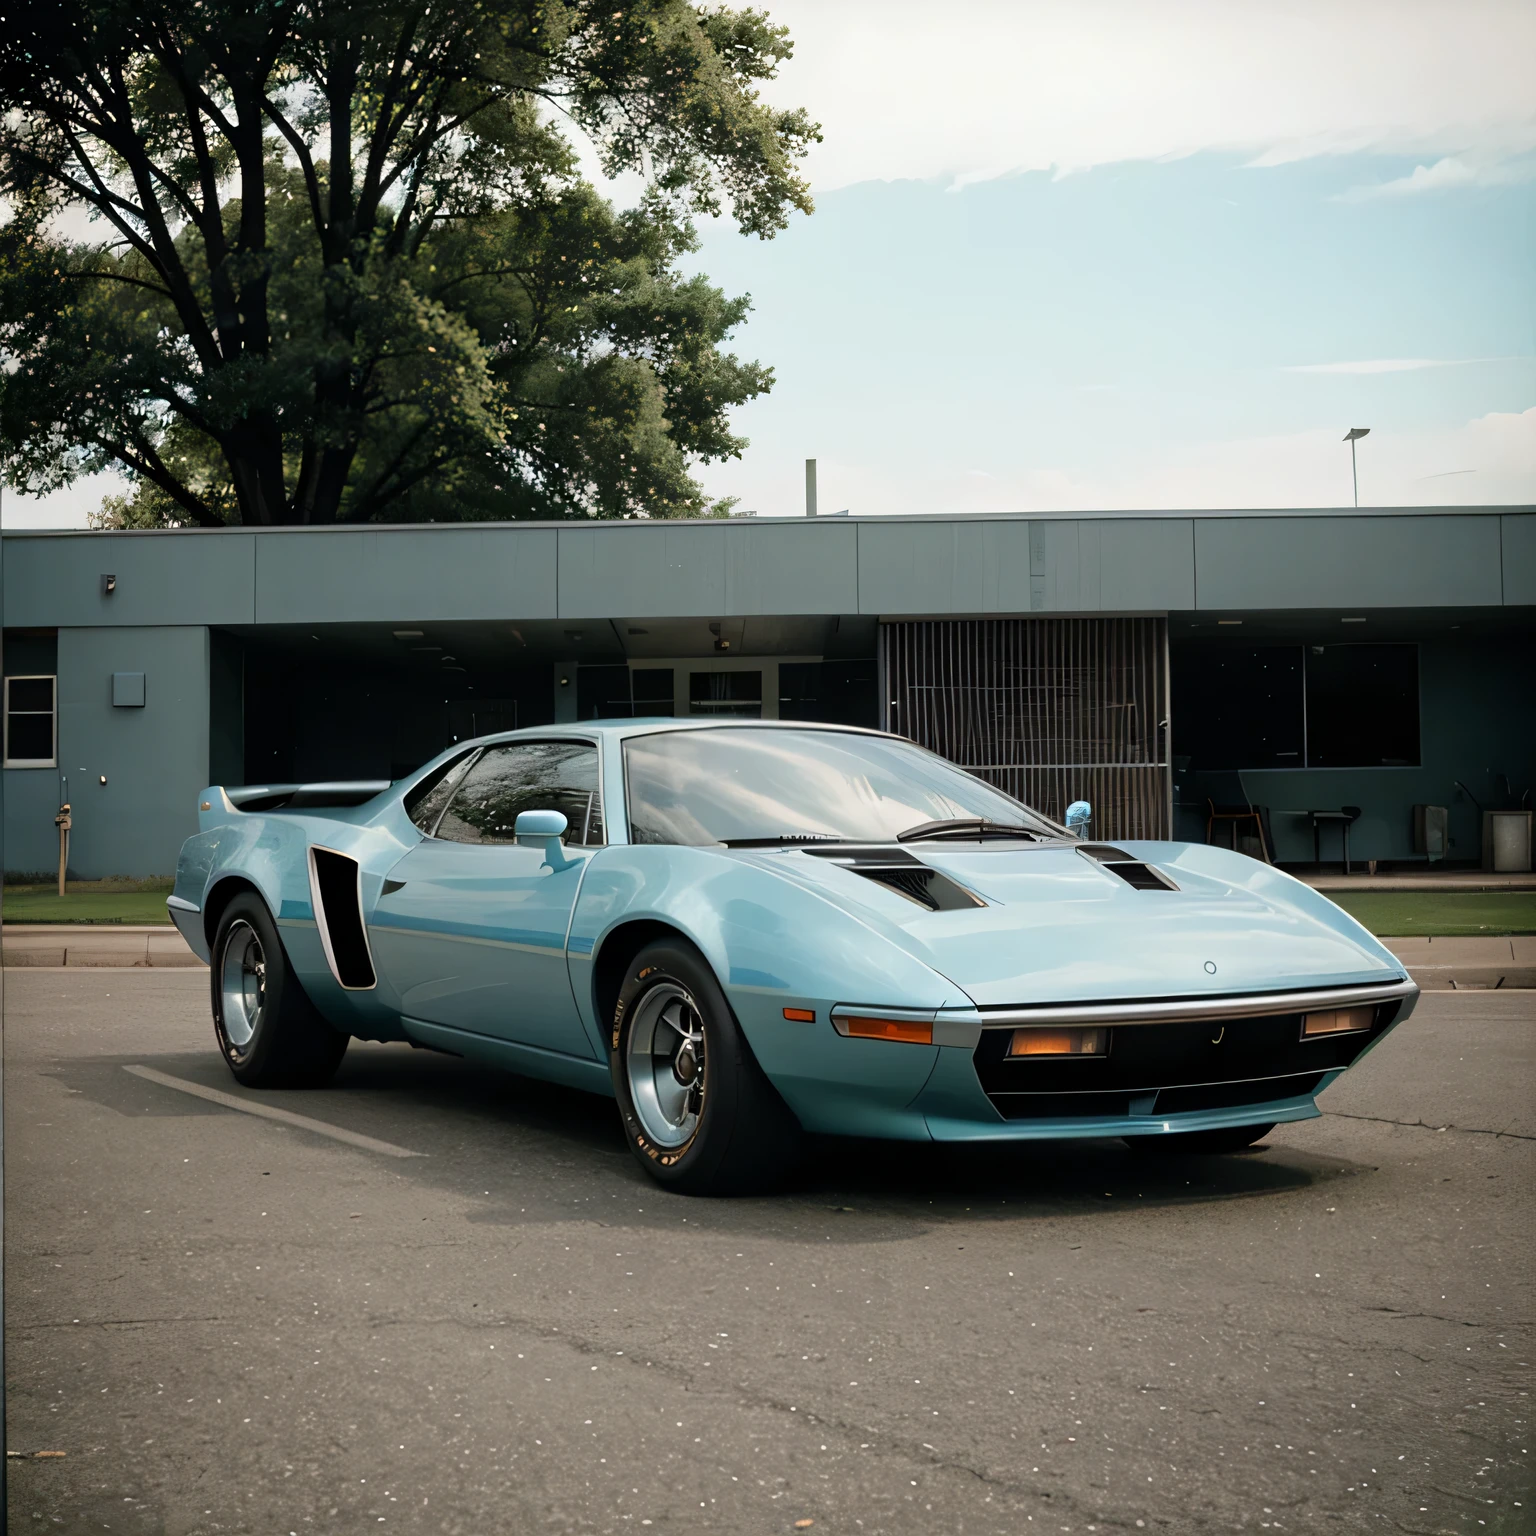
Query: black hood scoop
pixel 898 871
pixel 1116 861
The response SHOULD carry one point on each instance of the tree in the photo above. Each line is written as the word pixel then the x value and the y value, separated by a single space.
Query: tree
pixel 302 261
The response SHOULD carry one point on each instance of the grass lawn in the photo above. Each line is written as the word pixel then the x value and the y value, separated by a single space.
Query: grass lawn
pixel 89 901
pixel 1450 914
pixel 1391 914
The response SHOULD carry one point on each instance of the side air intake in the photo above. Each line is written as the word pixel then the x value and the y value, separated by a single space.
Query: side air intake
pixel 336 892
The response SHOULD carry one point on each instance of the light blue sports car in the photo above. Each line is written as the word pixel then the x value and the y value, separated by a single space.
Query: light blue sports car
pixel 744 931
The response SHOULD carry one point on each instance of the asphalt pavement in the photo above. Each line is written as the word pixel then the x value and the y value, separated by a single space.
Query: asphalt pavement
pixel 476 1315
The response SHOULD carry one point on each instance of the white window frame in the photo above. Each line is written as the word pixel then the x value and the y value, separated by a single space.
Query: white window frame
pixel 32 762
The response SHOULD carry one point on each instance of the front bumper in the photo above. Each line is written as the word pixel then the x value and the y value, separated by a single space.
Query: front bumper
pixel 1172 1066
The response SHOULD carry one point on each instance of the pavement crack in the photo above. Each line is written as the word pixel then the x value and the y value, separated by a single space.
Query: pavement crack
pixel 1438 1317
pixel 1423 1125
pixel 116 1322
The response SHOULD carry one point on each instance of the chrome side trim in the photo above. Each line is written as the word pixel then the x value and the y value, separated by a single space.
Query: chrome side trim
pixel 181 904
pixel 1247 1006
pixel 318 907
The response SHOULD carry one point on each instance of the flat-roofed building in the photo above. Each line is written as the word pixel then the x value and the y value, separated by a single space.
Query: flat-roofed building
pixel 1150 663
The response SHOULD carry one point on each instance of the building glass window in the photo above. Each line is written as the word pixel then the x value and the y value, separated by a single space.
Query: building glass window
pixel 653 690
pixel 726 693
pixel 31 722
pixel 527 776
pixel 1363 706
pixel 1240 706
pixel 1295 706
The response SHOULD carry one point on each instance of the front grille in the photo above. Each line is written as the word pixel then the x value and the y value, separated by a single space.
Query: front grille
pixel 1172 1068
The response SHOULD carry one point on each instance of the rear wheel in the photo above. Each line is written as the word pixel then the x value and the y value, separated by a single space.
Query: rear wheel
pixel 1233 1139
pixel 698 1111
pixel 269 1032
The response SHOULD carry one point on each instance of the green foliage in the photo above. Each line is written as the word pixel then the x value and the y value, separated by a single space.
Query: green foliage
pixel 295 261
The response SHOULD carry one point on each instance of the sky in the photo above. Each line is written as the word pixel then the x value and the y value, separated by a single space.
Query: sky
pixel 1094 254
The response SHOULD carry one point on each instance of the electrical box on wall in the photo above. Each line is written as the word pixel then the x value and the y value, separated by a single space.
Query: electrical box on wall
pixel 128 690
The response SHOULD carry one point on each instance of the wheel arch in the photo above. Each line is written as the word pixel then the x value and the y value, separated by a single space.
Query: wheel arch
pixel 217 900
pixel 618 949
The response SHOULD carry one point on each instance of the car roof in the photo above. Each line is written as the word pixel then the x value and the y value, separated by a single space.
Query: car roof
pixel 649 725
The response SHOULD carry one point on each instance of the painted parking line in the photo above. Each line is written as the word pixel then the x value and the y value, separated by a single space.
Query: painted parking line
pixel 268 1112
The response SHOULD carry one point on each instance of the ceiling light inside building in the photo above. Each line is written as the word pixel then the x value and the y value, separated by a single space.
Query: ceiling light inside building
pixel 409 634
pixel 1229 621
pixel 1351 621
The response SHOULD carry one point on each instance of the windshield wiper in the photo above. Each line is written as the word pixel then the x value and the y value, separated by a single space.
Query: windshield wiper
pixel 781 839
pixel 965 828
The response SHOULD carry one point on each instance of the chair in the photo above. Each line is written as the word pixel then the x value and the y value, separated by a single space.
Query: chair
pixel 1236 808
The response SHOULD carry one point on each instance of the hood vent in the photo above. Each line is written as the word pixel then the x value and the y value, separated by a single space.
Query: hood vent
pixel 898 871
pixel 1116 861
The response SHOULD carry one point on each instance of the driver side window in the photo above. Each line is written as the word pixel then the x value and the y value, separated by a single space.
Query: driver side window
pixel 526 776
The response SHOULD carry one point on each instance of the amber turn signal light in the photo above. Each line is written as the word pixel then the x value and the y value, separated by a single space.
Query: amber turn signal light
pixel 1058 1042
pixel 800 1015
pixel 890 1029
pixel 1336 1021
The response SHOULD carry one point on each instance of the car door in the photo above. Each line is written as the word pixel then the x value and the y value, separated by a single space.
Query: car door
pixel 470 929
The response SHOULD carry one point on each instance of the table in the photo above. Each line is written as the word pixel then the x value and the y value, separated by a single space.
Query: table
pixel 1317 818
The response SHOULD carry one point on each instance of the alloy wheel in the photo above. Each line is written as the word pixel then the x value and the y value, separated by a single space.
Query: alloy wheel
pixel 665 1064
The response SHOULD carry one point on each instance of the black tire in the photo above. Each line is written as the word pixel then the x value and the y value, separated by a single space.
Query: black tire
pixel 672 1026
pixel 269 1033
pixel 1235 1139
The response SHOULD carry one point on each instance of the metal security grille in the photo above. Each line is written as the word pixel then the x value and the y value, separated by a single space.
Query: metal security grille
pixel 1050 710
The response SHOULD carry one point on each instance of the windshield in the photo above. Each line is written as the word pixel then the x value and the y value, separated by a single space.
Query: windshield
pixel 736 784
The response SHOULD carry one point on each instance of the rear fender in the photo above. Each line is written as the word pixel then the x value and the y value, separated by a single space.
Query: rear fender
pixel 270 854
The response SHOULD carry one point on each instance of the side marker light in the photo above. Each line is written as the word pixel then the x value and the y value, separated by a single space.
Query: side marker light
pixel 800 1015
pixel 890 1029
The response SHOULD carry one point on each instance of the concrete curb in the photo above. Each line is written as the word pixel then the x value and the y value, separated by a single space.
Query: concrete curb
pixel 51 946
pixel 1454 964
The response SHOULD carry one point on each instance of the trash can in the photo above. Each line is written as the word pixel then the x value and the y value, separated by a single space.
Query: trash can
pixel 1431 831
pixel 1507 842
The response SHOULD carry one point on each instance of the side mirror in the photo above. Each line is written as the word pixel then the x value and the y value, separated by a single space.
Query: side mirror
pixel 541 829
pixel 1079 814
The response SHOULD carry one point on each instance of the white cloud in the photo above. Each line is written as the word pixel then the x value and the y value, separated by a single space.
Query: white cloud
pixel 1392 364
pixel 1485 462
pixel 980 88
pixel 1446 174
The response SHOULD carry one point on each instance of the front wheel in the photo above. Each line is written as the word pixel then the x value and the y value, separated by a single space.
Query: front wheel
pixel 269 1033
pixel 1233 1139
pixel 698 1111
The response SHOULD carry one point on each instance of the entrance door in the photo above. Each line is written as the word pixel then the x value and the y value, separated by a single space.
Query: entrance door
pixel 470 930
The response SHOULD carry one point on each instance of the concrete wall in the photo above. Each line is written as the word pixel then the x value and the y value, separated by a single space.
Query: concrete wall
pixel 155 758
pixel 719 569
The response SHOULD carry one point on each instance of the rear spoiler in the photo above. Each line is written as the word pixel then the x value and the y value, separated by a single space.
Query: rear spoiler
pixel 296 797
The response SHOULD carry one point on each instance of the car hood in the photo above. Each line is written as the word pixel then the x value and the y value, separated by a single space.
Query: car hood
pixel 1060 927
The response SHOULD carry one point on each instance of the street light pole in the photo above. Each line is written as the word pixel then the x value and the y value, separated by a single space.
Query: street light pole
pixel 1352 437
